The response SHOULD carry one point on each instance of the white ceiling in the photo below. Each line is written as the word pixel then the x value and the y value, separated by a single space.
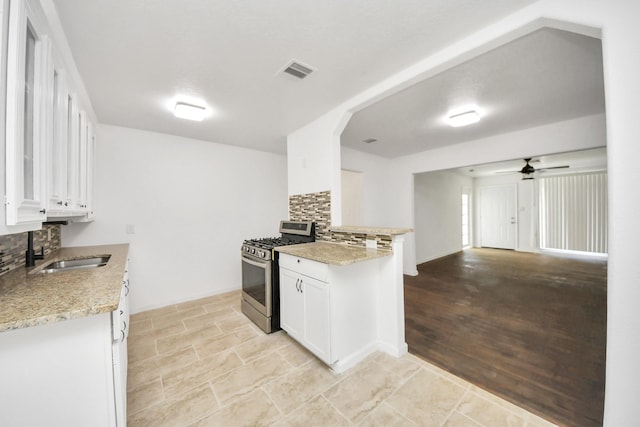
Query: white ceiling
pixel 543 77
pixel 138 56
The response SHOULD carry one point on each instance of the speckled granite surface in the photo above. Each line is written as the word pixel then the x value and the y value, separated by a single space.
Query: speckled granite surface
pixel 28 298
pixel 381 231
pixel 333 253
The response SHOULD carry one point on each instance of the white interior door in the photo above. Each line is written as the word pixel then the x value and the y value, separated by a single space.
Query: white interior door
pixel 498 216
pixel 352 191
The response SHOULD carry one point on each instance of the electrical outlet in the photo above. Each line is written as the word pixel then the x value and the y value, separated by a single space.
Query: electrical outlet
pixel 371 244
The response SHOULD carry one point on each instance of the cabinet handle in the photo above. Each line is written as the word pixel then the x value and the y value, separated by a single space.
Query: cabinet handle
pixel 122 331
pixel 43 211
pixel 297 288
pixel 59 203
pixel 301 291
pixel 126 291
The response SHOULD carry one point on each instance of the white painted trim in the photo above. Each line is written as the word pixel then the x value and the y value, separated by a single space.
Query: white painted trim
pixel 185 299
pixel 354 358
pixel 444 254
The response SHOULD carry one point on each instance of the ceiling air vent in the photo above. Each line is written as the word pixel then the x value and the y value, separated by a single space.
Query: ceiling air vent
pixel 297 69
pixel 369 140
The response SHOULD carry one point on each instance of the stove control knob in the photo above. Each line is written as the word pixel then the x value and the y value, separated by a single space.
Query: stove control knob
pixel 261 254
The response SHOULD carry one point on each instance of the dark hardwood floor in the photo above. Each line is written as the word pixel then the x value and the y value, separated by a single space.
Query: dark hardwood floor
pixel 530 328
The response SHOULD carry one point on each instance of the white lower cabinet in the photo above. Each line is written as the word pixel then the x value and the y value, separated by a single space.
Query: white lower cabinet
pixel 329 309
pixel 70 373
pixel 306 317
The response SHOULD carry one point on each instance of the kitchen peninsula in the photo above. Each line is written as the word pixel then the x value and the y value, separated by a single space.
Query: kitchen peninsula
pixel 344 301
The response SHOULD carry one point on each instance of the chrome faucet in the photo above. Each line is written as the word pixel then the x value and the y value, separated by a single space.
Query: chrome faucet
pixel 31 256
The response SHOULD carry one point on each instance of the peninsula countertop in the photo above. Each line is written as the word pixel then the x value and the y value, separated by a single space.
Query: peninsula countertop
pixel 333 253
pixel 382 231
pixel 29 298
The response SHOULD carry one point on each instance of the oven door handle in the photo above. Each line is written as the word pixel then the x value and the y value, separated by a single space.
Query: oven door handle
pixel 255 263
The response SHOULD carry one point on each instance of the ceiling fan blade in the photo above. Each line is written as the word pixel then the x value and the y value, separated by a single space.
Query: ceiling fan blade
pixel 553 167
pixel 507 172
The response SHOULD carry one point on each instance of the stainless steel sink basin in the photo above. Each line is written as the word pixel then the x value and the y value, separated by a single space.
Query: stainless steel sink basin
pixel 76 264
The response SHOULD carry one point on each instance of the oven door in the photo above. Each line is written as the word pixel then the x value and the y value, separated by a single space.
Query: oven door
pixel 256 284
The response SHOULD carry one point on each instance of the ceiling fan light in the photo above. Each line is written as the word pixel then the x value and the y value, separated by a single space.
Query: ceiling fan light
pixel 189 111
pixel 464 119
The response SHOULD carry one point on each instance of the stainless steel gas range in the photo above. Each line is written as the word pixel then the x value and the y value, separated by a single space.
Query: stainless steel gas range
pixel 261 276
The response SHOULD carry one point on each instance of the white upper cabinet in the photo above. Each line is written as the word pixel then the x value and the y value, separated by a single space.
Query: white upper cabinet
pixel 50 137
pixel 26 116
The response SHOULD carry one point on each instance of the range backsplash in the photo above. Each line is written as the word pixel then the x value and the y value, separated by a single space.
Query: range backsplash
pixel 14 246
pixel 317 207
pixel 312 207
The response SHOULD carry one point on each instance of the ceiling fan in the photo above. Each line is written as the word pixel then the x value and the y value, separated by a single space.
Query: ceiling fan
pixel 528 170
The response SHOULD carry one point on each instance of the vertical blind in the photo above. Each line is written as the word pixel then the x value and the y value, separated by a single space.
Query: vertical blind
pixel 573 212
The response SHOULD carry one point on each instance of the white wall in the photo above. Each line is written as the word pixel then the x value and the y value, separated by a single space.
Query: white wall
pixel 192 203
pixel 438 214
pixel 375 172
pixel 313 160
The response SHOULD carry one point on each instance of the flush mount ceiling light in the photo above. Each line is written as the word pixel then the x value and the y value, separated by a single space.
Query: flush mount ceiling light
pixel 463 118
pixel 189 111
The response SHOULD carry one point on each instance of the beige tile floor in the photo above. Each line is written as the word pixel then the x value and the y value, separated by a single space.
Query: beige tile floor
pixel 202 363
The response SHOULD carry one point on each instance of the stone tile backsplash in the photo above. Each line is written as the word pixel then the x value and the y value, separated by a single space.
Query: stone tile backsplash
pixel 14 246
pixel 317 207
pixel 383 242
pixel 312 207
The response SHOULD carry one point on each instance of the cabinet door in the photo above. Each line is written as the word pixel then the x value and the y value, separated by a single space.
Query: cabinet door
pixel 291 304
pixel 81 165
pixel 26 116
pixel 72 151
pixel 91 159
pixel 317 319
pixel 58 138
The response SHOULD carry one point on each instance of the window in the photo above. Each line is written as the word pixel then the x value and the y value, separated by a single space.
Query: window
pixel 465 221
pixel 573 212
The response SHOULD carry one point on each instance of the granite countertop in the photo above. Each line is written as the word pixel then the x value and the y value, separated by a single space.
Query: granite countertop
pixel 380 231
pixel 333 253
pixel 28 298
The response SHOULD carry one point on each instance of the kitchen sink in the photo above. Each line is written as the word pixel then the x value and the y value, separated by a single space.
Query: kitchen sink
pixel 76 264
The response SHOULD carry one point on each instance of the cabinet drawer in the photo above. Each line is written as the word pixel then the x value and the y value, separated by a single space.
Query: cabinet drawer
pixel 307 267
